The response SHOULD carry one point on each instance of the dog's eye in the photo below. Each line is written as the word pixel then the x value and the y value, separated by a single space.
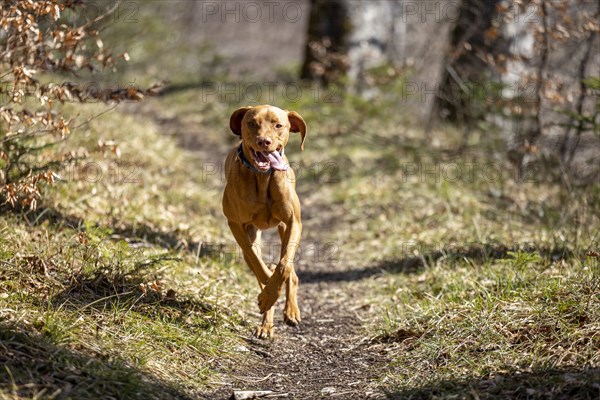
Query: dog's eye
pixel 278 126
pixel 252 124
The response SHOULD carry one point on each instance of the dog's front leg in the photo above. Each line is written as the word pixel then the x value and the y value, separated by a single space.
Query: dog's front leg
pixel 291 312
pixel 283 272
pixel 260 269
pixel 265 330
pixel 249 241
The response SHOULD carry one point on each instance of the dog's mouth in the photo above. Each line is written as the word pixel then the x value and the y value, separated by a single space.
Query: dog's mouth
pixel 264 160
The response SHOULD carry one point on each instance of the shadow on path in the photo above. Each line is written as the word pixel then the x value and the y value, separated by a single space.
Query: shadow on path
pixel 139 234
pixel 415 264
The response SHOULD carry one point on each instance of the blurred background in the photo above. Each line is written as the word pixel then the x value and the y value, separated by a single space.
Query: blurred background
pixel 450 191
pixel 528 69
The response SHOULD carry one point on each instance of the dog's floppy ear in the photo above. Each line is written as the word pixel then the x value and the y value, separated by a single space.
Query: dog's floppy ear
pixel 235 121
pixel 297 125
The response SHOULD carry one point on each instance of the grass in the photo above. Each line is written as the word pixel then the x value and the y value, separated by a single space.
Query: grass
pixel 487 291
pixel 483 286
pixel 103 291
pixel 460 319
pixel 486 287
pixel 485 280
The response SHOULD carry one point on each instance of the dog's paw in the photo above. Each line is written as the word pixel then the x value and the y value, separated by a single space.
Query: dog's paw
pixel 265 301
pixel 264 331
pixel 291 316
pixel 267 298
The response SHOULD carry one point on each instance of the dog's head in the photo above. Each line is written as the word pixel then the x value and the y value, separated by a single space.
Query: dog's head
pixel 265 131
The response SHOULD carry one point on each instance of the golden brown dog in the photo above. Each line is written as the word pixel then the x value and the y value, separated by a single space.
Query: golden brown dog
pixel 261 193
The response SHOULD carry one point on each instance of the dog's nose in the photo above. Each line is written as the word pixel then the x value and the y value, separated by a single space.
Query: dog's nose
pixel 264 142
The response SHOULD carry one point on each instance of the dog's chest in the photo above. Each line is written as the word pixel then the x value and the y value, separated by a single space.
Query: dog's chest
pixel 260 202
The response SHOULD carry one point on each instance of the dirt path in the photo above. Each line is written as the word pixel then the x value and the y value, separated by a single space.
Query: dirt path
pixel 330 354
pixel 326 356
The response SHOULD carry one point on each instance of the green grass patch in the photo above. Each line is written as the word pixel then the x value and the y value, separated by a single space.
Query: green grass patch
pixel 457 321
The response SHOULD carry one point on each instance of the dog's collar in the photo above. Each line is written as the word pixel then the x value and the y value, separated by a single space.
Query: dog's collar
pixel 247 164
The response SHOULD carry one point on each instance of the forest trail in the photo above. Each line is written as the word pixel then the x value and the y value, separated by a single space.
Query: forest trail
pixel 330 354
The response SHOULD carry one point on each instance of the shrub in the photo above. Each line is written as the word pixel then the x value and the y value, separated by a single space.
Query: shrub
pixel 43 39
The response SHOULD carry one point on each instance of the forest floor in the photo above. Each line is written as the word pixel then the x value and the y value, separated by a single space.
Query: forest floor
pixel 345 347
pixel 329 353
pixel 414 282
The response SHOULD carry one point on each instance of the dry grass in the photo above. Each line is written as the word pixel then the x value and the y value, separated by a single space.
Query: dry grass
pixel 486 277
pixel 485 286
pixel 103 289
pixel 460 320
pixel 480 283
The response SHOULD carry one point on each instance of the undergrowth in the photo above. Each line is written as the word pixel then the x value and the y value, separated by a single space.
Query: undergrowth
pixel 485 283
pixel 104 289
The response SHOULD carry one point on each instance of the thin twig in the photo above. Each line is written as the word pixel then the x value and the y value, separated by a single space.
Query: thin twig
pixel 96 116
pixel 9 264
pixel 105 298
pixel 253 380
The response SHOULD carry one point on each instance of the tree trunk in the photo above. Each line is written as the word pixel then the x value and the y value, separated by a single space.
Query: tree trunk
pixel 327 36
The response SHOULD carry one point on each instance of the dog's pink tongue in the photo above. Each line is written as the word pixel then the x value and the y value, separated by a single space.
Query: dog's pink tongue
pixel 276 161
